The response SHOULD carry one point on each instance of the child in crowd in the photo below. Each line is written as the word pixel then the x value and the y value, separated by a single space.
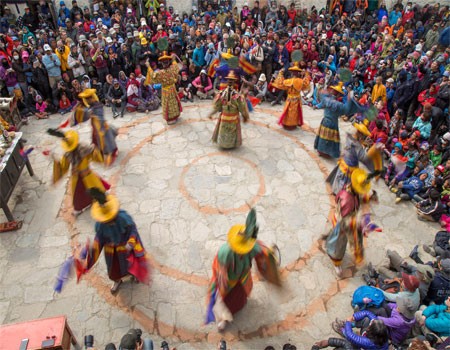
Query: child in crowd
pixel 410 187
pixel 64 104
pixel 41 108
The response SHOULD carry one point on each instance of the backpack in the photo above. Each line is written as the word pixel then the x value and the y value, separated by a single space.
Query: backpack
pixel 375 295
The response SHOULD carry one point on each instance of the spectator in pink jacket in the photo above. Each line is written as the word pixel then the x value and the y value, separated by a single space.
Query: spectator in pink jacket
pixel 203 85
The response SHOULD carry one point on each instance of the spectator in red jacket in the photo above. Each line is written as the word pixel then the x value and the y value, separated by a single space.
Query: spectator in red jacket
pixel 379 134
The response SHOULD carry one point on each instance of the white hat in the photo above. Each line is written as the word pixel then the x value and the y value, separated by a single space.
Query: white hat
pixel 159 27
pixel 446 136
pixel 324 36
pixel 109 40
pixel 47 47
pixel 112 31
pixel 390 80
pixel 203 71
pixel 418 48
pixel 129 11
pixel 135 33
pixel 262 77
pixel 81 38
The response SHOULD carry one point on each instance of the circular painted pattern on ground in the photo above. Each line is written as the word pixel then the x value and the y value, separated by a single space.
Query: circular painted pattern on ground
pixel 292 212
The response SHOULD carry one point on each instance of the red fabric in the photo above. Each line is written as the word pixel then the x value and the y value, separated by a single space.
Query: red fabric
pixel 236 299
pixel 139 268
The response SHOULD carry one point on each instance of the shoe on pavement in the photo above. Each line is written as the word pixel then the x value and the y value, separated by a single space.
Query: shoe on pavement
pixel 115 287
pixel 398 200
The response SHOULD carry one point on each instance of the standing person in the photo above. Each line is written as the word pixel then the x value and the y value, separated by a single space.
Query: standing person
pixel 53 66
pixel 231 281
pixel 327 142
pixel 103 135
pixel 292 115
pixel 78 157
pixel 167 77
pixel 229 103
pixel 352 220
pixel 100 60
pixel 116 232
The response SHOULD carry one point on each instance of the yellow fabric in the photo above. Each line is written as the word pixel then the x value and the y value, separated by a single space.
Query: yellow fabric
pixel 63 58
pixel 377 92
pixel 359 181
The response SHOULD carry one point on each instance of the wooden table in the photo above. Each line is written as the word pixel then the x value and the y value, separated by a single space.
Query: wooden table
pixel 11 166
pixel 36 332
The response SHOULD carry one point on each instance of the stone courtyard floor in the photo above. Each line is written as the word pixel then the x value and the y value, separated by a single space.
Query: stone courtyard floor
pixel 184 194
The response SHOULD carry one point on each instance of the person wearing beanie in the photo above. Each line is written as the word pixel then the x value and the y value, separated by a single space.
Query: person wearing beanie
pixel 410 292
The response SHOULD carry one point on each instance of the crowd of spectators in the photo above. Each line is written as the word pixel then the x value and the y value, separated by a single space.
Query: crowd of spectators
pixel 398 57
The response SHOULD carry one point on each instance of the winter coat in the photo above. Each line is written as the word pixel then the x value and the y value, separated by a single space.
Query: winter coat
pixel 358 340
pixel 438 319
pixel 439 290
pixel 398 325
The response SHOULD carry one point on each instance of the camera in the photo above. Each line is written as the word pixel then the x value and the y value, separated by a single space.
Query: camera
pixel 164 345
pixel 88 341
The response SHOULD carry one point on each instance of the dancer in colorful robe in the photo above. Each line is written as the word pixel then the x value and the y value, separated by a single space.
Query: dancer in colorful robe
pixel 167 77
pixel 352 220
pixel 354 152
pixel 231 281
pixel 229 103
pixel 292 115
pixel 78 157
pixel 328 142
pixel 103 135
pixel 116 233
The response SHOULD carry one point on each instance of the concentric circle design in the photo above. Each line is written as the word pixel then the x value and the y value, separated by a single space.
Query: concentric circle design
pixel 170 183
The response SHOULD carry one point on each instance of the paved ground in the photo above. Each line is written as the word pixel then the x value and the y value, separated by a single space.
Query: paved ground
pixel 184 194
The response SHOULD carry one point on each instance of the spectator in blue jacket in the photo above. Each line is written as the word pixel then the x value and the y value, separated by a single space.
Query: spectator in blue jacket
pixel 411 186
pixel 437 318
pixel 198 56
pixel 281 58
pixel 64 9
pixel 394 16
pixel 373 337
pixel 423 124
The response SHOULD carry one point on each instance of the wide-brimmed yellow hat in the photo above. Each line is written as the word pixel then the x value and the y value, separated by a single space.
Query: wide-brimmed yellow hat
pixel 238 241
pixel 164 57
pixel 107 211
pixel 295 68
pixel 242 238
pixel 70 141
pixel 360 181
pixel 362 128
pixel 231 76
pixel 338 87
pixel 88 93
pixel 227 55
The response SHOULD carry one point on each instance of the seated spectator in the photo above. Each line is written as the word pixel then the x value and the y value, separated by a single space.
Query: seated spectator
pixel 185 88
pixel 65 105
pixel 373 336
pixel 41 108
pixel 436 318
pixel 117 95
pixel 410 187
pixel 439 290
pixel 261 87
pixel 378 134
pixel 204 86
